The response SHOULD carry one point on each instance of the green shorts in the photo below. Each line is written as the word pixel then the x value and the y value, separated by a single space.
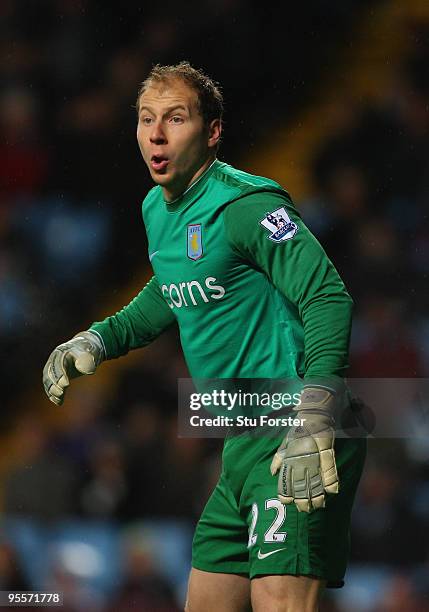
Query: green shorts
pixel 244 529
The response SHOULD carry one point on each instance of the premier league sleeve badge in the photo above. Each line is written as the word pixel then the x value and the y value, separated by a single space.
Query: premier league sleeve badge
pixel 279 225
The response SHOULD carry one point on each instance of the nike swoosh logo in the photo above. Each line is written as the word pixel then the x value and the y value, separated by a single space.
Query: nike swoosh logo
pixel 152 255
pixel 272 552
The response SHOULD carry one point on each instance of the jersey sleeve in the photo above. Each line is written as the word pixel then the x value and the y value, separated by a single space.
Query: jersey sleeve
pixel 137 324
pixel 266 230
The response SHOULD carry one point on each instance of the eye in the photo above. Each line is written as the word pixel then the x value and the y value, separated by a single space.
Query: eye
pixel 146 120
pixel 176 119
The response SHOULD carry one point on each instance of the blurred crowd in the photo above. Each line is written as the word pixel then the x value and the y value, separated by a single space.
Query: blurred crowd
pixel 102 508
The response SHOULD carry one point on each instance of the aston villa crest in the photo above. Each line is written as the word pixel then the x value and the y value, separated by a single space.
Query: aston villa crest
pixel 195 241
pixel 279 225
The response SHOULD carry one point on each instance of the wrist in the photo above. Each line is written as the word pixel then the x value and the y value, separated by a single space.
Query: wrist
pixel 333 383
pixel 316 400
pixel 95 341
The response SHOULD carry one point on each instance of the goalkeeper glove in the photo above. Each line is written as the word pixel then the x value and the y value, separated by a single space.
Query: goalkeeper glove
pixel 305 459
pixel 80 355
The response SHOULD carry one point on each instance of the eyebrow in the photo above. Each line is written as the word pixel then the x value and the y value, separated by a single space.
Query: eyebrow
pixel 167 111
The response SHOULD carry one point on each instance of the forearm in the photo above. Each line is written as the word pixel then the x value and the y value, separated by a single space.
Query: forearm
pixel 137 324
pixel 326 315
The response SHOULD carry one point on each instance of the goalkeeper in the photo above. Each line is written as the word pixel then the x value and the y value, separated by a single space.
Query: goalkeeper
pixel 254 296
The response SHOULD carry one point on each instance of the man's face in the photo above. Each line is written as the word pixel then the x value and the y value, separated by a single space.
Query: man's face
pixel 173 139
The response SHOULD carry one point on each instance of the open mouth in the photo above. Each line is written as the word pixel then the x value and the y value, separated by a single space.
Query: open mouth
pixel 159 162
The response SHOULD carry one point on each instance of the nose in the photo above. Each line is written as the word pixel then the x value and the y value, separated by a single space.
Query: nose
pixel 157 135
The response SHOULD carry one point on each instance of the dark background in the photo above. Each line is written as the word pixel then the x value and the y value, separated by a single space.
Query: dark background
pixel 99 498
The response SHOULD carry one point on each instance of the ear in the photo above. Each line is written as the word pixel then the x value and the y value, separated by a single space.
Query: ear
pixel 215 132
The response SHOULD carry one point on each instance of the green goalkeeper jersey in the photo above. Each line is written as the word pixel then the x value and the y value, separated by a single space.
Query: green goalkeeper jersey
pixel 253 292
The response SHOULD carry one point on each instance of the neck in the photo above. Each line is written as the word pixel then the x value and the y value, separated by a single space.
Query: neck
pixel 171 194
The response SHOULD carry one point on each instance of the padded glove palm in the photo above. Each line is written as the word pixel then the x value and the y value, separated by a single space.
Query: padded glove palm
pixel 305 459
